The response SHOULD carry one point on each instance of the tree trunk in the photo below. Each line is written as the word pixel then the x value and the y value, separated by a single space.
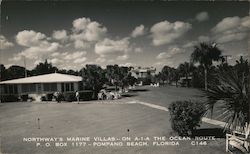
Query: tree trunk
pixel 94 93
pixel 205 74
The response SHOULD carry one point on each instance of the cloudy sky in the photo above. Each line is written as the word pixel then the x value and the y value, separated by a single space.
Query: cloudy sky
pixel 73 34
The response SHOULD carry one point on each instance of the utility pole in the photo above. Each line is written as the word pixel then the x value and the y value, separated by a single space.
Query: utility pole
pixel 24 60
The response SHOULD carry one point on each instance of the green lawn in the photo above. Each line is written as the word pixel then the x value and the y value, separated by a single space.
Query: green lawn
pixel 163 96
pixel 94 119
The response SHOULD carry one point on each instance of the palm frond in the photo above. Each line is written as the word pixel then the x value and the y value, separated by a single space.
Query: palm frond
pixel 231 91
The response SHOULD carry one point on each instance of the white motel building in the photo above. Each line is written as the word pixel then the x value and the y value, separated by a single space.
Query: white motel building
pixel 140 72
pixel 41 84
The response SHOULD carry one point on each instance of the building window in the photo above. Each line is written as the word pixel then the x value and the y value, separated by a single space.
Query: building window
pixel 39 87
pixel 46 87
pixel 62 85
pixel 67 86
pixel 50 87
pixel 24 88
pixel 32 87
pixel 71 86
pixel 53 87
pixel 28 88
pixel 5 87
pixel 15 89
pixel 11 90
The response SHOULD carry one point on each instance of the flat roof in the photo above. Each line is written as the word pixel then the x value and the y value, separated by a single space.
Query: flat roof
pixel 46 78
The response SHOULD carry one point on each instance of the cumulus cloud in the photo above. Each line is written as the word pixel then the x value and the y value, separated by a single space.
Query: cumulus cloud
pixel 81 23
pixel 162 55
pixel 4 43
pixel 36 43
pixel 204 38
pixel 74 55
pixel 16 58
pixel 108 46
pixel 128 64
pixel 170 53
pixel 138 50
pixel 227 24
pixel 165 32
pixel 202 16
pixel 81 44
pixel 159 63
pixel 55 54
pixel 60 35
pixel 80 60
pixel 112 50
pixel 70 58
pixel 55 61
pixel 85 31
pixel 30 38
pixel 189 44
pixel 162 63
pixel 36 52
pixel 231 29
pixel 100 60
pixel 123 57
pixel 138 31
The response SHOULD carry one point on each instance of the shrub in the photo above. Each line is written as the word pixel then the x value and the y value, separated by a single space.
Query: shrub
pixel 43 98
pixel 186 116
pixel 24 98
pixel 69 96
pixel 86 95
pixel 9 98
pixel 60 97
pixel 47 97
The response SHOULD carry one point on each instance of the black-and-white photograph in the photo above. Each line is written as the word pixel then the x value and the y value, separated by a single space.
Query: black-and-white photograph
pixel 124 77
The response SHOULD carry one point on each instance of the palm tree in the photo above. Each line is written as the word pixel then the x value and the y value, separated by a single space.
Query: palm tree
pixel 185 70
pixel 205 54
pixel 230 91
pixel 242 67
pixel 198 77
pixel 166 73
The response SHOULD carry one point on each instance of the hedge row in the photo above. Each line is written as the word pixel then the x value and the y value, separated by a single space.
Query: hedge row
pixel 68 96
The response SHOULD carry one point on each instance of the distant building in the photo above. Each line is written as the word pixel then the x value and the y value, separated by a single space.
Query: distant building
pixel 183 81
pixel 41 84
pixel 144 72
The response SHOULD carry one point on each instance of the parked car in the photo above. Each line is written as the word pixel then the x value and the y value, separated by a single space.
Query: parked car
pixel 109 93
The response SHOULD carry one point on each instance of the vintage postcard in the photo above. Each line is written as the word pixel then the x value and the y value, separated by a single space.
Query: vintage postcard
pixel 124 77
